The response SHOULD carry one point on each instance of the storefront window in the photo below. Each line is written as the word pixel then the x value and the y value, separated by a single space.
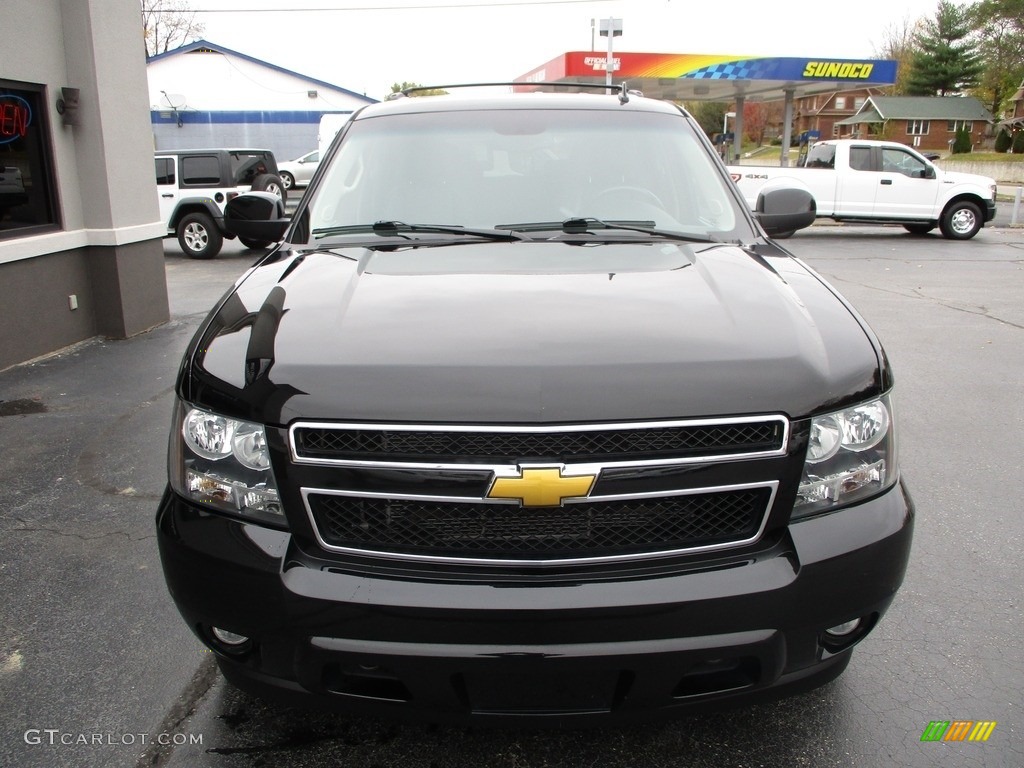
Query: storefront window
pixel 26 176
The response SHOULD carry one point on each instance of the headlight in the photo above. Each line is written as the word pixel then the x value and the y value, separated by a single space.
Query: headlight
pixel 851 455
pixel 223 463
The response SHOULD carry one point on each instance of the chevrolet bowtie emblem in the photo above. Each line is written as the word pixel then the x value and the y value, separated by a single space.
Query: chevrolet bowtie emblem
pixel 541 487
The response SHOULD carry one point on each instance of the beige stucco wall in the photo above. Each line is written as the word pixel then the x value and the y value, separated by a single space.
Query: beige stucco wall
pixel 106 247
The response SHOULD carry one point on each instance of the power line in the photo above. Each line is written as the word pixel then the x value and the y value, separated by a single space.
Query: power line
pixel 432 6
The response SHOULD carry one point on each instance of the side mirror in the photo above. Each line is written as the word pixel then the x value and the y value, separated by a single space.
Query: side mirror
pixel 785 209
pixel 256 216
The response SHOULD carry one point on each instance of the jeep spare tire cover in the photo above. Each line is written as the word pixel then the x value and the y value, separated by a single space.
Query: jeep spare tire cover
pixel 269 182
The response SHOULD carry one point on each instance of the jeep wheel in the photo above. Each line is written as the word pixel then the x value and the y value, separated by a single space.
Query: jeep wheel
pixel 268 182
pixel 919 229
pixel 256 245
pixel 198 236
pixel 961 221
pixel 287 180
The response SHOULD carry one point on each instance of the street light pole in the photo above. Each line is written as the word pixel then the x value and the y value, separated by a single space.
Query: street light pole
pixel 610 28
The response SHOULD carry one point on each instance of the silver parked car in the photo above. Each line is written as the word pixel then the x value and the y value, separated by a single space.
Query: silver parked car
pixel 297 173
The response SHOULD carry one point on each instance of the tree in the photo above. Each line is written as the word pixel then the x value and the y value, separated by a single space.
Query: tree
pixel 947 61
pixel 710 115
pixel 898 44
pixel 1000 25
pixel 962 144
pixel 1018 142
pixel 399 87
pixel 168 24
pixel 1003 141
pixel 755 121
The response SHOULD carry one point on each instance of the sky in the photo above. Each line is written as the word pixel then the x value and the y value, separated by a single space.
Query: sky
pixel 366 45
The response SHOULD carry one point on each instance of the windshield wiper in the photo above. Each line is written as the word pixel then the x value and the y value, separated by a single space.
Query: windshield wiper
pixel 587 225
pixel 400 228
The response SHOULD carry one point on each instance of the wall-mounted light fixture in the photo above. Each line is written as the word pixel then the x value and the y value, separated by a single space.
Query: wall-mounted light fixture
pixel 67 105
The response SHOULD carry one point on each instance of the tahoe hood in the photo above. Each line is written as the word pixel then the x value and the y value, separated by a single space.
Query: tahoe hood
pixel 530 332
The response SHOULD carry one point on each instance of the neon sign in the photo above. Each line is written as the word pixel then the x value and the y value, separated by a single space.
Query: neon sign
pixel 15 118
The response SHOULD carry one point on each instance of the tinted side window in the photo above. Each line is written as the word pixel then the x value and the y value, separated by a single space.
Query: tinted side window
pixel 200 170
pixel 165 170
pixel 860 158
pixel 821 156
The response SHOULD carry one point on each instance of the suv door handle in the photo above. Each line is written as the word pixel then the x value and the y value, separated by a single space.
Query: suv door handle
pixel 167 194
pixel 887 181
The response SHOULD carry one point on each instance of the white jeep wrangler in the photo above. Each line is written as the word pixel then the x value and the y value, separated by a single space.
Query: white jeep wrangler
pixel 194 185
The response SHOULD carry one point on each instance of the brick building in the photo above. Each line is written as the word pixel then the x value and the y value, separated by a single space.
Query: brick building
pixel 923 122
pixel 823 112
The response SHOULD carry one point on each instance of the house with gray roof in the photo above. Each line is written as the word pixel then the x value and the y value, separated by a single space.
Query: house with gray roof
pixel 1014 120
pixel 924 122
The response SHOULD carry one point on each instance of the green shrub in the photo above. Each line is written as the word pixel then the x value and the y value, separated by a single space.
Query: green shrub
pixel 962 143
pixel 1003 142
pixel 1018 142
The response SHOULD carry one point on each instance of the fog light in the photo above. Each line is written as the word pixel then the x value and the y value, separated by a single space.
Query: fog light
pixel 229 638
pixel 844 629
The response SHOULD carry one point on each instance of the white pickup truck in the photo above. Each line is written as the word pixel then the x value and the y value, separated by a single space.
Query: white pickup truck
pixel 881 182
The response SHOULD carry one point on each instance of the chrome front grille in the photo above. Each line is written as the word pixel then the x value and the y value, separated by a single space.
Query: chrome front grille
pixel 587 530
pixel 428 492
pixel 318 443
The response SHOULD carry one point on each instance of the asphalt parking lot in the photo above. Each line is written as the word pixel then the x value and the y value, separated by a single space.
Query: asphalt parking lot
pixel 97 668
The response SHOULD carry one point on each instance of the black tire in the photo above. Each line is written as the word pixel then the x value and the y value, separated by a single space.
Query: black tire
pixel 961 220
pixel 784 235
pixel 269 182
pixel 256 245
pixel 919 229
pixel 287 180
pixel 198 236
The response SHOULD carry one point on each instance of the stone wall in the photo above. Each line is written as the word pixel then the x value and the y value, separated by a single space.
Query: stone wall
pixel 1006 173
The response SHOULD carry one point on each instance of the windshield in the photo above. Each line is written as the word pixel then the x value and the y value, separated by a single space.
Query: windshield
pixel 502 168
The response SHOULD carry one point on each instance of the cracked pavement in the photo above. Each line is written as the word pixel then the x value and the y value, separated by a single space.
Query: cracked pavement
pixel 92 646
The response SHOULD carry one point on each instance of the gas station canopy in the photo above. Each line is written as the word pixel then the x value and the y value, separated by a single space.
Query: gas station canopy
pixel 717 77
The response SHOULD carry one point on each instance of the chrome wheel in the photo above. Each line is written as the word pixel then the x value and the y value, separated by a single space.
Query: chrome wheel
pixel 963 221
pixel 196 237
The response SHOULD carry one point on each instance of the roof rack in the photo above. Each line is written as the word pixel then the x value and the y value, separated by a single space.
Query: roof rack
pixel 621 88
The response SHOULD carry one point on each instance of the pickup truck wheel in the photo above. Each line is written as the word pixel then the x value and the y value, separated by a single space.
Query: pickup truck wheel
pixel 919 229
pixel 961 221
pixel 198 236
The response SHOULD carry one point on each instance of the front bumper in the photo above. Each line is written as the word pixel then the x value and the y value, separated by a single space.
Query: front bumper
pixel 539 647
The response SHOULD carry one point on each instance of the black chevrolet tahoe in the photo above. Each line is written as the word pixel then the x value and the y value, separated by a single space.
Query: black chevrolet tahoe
pixel 527 419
